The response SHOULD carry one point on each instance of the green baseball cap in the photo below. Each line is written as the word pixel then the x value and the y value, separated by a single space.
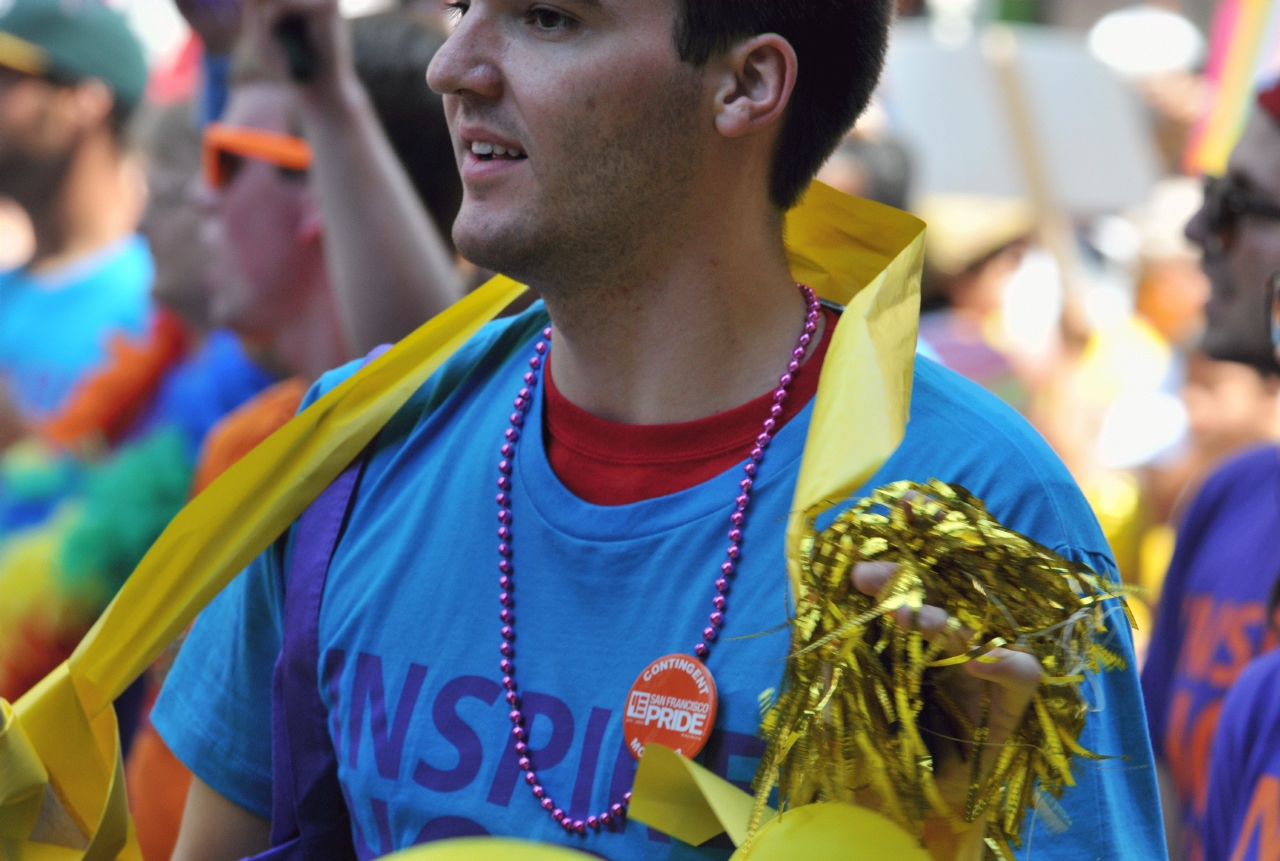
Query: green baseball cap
pixel 73 38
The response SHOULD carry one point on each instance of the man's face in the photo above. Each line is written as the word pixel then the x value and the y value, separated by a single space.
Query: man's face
pixel 40 125
pixel 257 226
pixel 1239 261
pixel 603 127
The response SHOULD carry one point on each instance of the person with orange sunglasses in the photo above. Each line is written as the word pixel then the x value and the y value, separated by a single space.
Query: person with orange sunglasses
pixel 391 266
pixel 276 282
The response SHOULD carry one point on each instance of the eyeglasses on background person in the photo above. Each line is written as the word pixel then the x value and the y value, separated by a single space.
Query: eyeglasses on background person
pixel 226 147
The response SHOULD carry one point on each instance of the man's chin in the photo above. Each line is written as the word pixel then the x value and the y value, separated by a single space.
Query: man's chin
pixel 495 244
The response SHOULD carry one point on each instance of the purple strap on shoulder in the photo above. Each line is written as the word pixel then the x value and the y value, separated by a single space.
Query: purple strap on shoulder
pixel 309 817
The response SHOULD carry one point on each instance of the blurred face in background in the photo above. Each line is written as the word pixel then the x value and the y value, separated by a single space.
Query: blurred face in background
pixel 173 226
pixel 1229 405
pixel 41 123
pixel 263 226
pixel 1242 247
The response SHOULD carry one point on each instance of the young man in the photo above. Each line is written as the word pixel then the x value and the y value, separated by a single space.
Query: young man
pixel 631 160
pixel 70 76
pixel 1212 619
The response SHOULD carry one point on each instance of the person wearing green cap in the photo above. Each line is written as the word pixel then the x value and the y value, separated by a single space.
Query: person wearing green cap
pixel 71 74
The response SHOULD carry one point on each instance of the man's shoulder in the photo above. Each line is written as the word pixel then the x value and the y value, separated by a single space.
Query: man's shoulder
pixel 945 403
pixel 1251 709
pixel 1232 492
pixel 963 434
pixel 1248 468
pixel 1260 676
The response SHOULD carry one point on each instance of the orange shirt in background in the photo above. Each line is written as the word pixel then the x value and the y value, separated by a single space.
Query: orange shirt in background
pixel 157 782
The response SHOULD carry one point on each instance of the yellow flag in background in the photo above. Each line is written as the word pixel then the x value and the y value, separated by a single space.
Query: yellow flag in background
pixel 60 741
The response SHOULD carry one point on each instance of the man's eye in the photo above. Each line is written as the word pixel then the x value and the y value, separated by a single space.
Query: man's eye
pixel 549 20
pixel 455 9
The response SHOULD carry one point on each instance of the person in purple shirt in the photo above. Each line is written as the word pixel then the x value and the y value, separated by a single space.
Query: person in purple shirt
pixel 1213 617
pixel 1242 816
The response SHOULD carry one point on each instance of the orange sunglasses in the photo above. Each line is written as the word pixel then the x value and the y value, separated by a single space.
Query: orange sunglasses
pixel 224 145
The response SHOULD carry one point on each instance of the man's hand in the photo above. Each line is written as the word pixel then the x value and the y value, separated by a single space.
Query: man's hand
pixel 327 34
pixel 216 22
pixel 1011 677
pixel 390 269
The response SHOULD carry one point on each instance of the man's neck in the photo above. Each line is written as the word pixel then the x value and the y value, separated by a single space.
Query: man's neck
pixel 311 341
pixel 691 333
pixel 99 202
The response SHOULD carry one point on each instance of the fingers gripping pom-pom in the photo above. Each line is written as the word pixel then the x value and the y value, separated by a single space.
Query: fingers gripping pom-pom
pixel 868 701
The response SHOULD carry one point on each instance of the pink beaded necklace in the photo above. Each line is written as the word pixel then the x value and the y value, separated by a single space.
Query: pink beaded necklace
pixel 737 521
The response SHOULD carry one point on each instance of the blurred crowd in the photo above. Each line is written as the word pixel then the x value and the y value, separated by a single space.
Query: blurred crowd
pixel 185 248
pixel 188 246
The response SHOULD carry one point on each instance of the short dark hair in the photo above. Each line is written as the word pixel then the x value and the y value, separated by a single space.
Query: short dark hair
pixel 840 45
pixel 392 52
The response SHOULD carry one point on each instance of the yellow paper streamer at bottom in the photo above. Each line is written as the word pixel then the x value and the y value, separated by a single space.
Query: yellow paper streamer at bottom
pixel 831 832
pixel 488 849
pixel 679 797
pixel 817 832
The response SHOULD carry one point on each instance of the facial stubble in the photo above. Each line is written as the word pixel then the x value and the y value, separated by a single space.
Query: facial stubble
pixel 607 196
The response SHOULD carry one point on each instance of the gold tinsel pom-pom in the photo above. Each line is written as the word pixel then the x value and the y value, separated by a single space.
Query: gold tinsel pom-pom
pixel 861 711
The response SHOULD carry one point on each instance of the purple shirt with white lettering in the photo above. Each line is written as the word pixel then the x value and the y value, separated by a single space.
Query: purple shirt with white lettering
pixel 409 629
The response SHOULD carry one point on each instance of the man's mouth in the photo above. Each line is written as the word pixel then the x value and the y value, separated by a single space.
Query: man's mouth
pixel 486 151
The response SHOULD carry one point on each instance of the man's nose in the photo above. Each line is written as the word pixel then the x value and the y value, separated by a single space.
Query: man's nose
pixel 465 63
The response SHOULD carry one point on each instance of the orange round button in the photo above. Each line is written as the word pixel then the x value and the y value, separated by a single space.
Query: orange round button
pixel 673 703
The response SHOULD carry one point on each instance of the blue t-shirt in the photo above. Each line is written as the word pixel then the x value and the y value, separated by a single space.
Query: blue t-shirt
pixel 207 385
pixel 1242 818
pixel 55 326
pixel 1212 618
pixel 409 626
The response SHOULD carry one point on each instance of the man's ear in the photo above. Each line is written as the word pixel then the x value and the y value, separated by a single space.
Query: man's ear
pixel 758 77
pixel 93 102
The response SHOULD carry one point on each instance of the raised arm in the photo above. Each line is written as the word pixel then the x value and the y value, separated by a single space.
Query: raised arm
pixel 390 267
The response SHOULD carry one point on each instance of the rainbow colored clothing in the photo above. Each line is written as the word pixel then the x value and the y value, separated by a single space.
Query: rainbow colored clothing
pixel 75 518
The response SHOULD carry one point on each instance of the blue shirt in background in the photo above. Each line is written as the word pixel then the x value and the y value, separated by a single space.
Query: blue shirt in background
pixel 207 385
pixel 1242 820
pixel 409 626
pixel 55 326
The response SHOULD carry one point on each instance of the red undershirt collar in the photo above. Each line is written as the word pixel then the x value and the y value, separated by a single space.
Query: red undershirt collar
pixel 611 463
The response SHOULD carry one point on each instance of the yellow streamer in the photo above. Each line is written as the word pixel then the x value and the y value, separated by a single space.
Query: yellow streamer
pixel 67 721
